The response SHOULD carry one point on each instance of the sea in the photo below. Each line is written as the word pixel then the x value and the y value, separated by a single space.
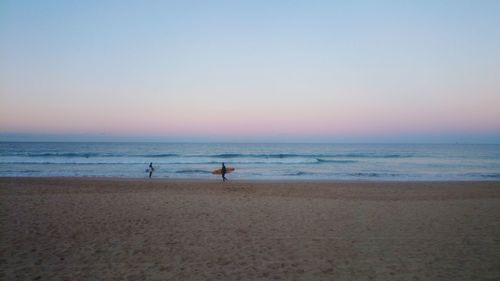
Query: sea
pixel 254 161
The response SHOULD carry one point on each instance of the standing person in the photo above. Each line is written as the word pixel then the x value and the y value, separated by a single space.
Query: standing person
pixel 223 172
pixel 151 169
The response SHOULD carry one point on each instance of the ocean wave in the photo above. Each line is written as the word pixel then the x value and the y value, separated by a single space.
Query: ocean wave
pixel 371 155
pixel 284 155
pixel 375 175
pixel 71 163
pixel 226 155
pixel 335 161
pixel 220 156
pixel 299 173
pixel 62 162
pixel 192 171
pixel 243 155
pixel 179 160
pixel 62 154
pixel 157 155
pixel 88 155
pixel 493 176
pixel 20 171
pixel 370 175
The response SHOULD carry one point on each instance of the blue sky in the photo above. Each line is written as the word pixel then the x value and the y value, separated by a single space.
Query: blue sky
pixel 355 71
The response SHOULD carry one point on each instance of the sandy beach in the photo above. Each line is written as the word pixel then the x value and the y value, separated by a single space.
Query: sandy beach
pixel 138 229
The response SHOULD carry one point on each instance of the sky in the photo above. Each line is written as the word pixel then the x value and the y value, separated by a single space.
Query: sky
pixel 327 71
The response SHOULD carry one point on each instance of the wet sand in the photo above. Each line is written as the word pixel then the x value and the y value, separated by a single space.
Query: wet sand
pixel 138 229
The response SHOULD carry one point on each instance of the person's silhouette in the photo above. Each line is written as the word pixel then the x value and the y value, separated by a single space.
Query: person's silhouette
pixel 223 172
pixel 151 169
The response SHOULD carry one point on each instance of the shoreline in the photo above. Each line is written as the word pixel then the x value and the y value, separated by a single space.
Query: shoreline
pixel 257 181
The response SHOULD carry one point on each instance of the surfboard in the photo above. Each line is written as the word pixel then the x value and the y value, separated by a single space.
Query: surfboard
pixel 219 171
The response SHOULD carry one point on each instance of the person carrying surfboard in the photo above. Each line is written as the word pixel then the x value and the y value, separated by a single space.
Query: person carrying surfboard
pixel 150 169
pixel 223 172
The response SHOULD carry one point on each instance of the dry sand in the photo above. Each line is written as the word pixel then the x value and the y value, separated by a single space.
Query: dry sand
pixel 115 229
